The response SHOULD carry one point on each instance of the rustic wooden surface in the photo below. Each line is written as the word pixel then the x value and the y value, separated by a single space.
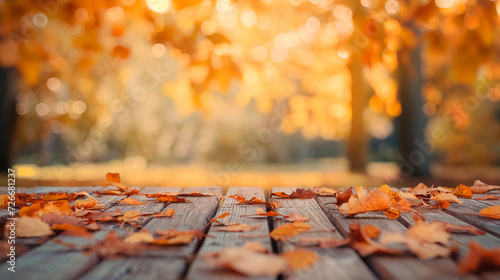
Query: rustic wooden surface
pixel 411 267
pixel 200 268
pixel 49 260
pixel 344 263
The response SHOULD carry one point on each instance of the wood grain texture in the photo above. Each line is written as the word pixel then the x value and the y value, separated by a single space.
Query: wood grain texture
pixel 200 269
pixel 468 212
pixel 489 202
pixel 391 267
pixel 167 262
pixel 432 214
pixel 344 263
pixel 55 261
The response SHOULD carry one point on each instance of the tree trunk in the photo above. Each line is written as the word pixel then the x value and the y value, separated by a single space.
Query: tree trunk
pixel 7 117
pixel 357 146
pixel 415 157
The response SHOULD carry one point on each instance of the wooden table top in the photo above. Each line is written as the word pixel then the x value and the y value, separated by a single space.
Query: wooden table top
pixel 47 259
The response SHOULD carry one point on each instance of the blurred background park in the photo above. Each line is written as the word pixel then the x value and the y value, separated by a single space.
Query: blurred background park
pixel 250 92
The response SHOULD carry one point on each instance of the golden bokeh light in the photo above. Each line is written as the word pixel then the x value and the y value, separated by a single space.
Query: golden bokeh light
pixel 159 6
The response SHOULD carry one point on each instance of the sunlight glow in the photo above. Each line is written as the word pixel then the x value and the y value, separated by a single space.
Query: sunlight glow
pixel 159 6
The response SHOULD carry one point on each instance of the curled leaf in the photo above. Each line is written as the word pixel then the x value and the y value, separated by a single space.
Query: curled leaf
pixel 131 201
pixel 491 212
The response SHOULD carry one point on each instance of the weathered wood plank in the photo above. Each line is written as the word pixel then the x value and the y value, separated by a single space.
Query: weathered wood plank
pixel 169 262
pixel 432 214
pixel 468 212
pixel 489 202
pixel 55 261
pixel 344 263
pixel 392 267
pixel 200 269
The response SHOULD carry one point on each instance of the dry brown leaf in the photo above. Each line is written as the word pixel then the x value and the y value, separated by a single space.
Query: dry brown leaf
pixel 441 204
pixel 255 246
pixel 491 212
pixel 392 213
pixel 32 210
pixel 194 194
pixel 67 226
pixel 119 192
pixel 410 198
pixel 248 262
pixel 325 191
pixel 488 197
pixel 93 226
pixel 214 220
pixel 359 240
pixel 24 198
pixel 343 197
pixel 422 250
pixel 420 190
pixel 263 213
pixel 300 258
pixel 479 259
pixel 371 231
pixel 131 217
pixel 238 227
pixel 287 231
pixel 426 241
pixel 174 237
pixel 111 247
pixel 428 233
pixel 297 194
pixel 449 197
pixel 59 218
pixel 293 217
pixel 139 237
pixel 102 216
pixel 90 203
pixel 462 191
pixel 481 187
pixel 167 198
pixel 378 200
pixel 32 227
pixel 451 228
pixel 131 201
pixel 4 201
pixel 167 213
pixel 396 200
pixel 40 208
pixel 274 205
pixel 113 179
pixel 323 242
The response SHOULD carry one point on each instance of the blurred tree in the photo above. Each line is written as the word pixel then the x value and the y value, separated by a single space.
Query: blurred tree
pixel 313 55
